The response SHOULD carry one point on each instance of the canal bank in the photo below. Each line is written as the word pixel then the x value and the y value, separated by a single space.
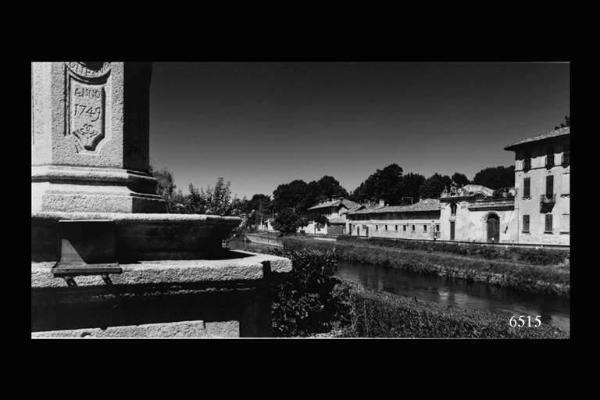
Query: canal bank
pixel 450 293
pixel 538 279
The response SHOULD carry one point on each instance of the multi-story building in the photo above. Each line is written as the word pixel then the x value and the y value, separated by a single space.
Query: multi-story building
pixel 542 181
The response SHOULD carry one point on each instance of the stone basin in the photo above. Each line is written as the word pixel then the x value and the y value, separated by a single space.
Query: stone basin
pixel 141 236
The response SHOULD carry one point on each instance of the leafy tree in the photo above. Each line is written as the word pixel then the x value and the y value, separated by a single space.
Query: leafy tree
pixel 433 187
pixel 496 177
pixel 567 122
pixel 460 179
pixel 411 184
pixel 290 195
pixel 165 186
pixel 385 184
pixel 288 221
pixel 300 195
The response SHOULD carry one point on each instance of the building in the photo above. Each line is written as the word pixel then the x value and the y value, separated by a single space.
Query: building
pixel 335 211
pixel 416 221
pixel 474 213
pixel 542 182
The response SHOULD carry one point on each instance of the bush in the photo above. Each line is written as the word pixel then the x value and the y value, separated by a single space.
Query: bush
pixel 307 301
pixel 375 314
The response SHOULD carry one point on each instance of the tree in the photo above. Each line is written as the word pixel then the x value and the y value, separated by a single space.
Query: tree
pixel 567 122
pixel 288 221
pixel 300 195
pixel 385 184
pixel 460 179
pixel 411 184
pixel 290 195
pixel 433 187
pixel 496 177
pixel 165 186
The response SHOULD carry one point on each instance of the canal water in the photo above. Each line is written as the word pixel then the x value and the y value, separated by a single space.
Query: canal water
pixel 554 310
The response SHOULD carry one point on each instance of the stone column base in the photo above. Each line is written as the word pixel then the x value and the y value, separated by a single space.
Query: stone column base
pixel 88 189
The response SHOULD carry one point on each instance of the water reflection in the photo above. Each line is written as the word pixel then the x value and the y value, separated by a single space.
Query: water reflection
pixel 553 310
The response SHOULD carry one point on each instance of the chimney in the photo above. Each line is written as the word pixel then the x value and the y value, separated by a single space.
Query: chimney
pixel 381 203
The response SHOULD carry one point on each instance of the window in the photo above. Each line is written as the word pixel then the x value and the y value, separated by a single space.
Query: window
pixel 525 223
pixel 413 228
pixel 566 158
pixel 376 227
pixel 437 227
pixel 549 185
pixel 404 228
pixel 396 228
pixel 424 228
pixel 386 227
pixel 548 225
pixel 549 157
pixel 527 162
pixel 526 188
pixel 453 208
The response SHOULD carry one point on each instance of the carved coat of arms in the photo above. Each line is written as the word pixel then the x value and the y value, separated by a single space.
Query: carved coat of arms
pixel 87 103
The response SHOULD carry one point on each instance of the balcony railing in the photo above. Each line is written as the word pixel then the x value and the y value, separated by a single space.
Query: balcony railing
pixel 547 199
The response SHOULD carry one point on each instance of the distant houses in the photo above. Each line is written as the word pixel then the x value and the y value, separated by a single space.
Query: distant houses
pixel 535 211
pixel 334 212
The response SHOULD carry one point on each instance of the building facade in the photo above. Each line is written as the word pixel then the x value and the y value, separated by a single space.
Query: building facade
pixel 542 182
pixel 474 214
pixel 416 221
pixel 335 210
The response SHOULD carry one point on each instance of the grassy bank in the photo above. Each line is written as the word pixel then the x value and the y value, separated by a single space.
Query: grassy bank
pixel 552 279
pixel 376 314
pixel 514 254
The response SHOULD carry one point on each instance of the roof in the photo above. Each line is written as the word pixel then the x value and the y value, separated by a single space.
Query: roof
pixel 423 205
pixel 554 133
pixel 336 203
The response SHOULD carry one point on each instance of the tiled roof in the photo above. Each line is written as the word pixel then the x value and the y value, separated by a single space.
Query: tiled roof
pixel 423 205
pixel 335 203
pixel 547 135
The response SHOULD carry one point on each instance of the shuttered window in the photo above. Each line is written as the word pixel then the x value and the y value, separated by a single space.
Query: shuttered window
pixel 525 223
pixel 548 224
pixel 549 185
pixel 526 188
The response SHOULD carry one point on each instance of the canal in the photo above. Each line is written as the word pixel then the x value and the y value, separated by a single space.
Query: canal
pixel 553 310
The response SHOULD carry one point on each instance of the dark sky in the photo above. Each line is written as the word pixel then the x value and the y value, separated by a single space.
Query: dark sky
pixel 262 124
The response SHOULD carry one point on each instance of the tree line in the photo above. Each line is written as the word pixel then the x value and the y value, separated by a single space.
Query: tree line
pixel 290 201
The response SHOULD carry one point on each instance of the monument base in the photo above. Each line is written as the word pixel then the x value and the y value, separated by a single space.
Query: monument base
pixel 182 298
pixel 89 189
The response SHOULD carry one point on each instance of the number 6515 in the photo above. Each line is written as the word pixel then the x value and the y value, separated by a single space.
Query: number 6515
pixel 525 320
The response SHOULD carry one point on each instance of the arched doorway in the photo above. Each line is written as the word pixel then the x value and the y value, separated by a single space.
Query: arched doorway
pixel 493 228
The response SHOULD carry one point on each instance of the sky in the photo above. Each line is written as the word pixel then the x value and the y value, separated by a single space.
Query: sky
pixel 261 124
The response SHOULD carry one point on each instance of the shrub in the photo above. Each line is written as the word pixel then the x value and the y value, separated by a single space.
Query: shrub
pixel 306 301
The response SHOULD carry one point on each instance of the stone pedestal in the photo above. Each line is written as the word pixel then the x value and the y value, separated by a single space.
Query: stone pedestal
pixel 134 271
pixel 89 136
pixel 184 298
